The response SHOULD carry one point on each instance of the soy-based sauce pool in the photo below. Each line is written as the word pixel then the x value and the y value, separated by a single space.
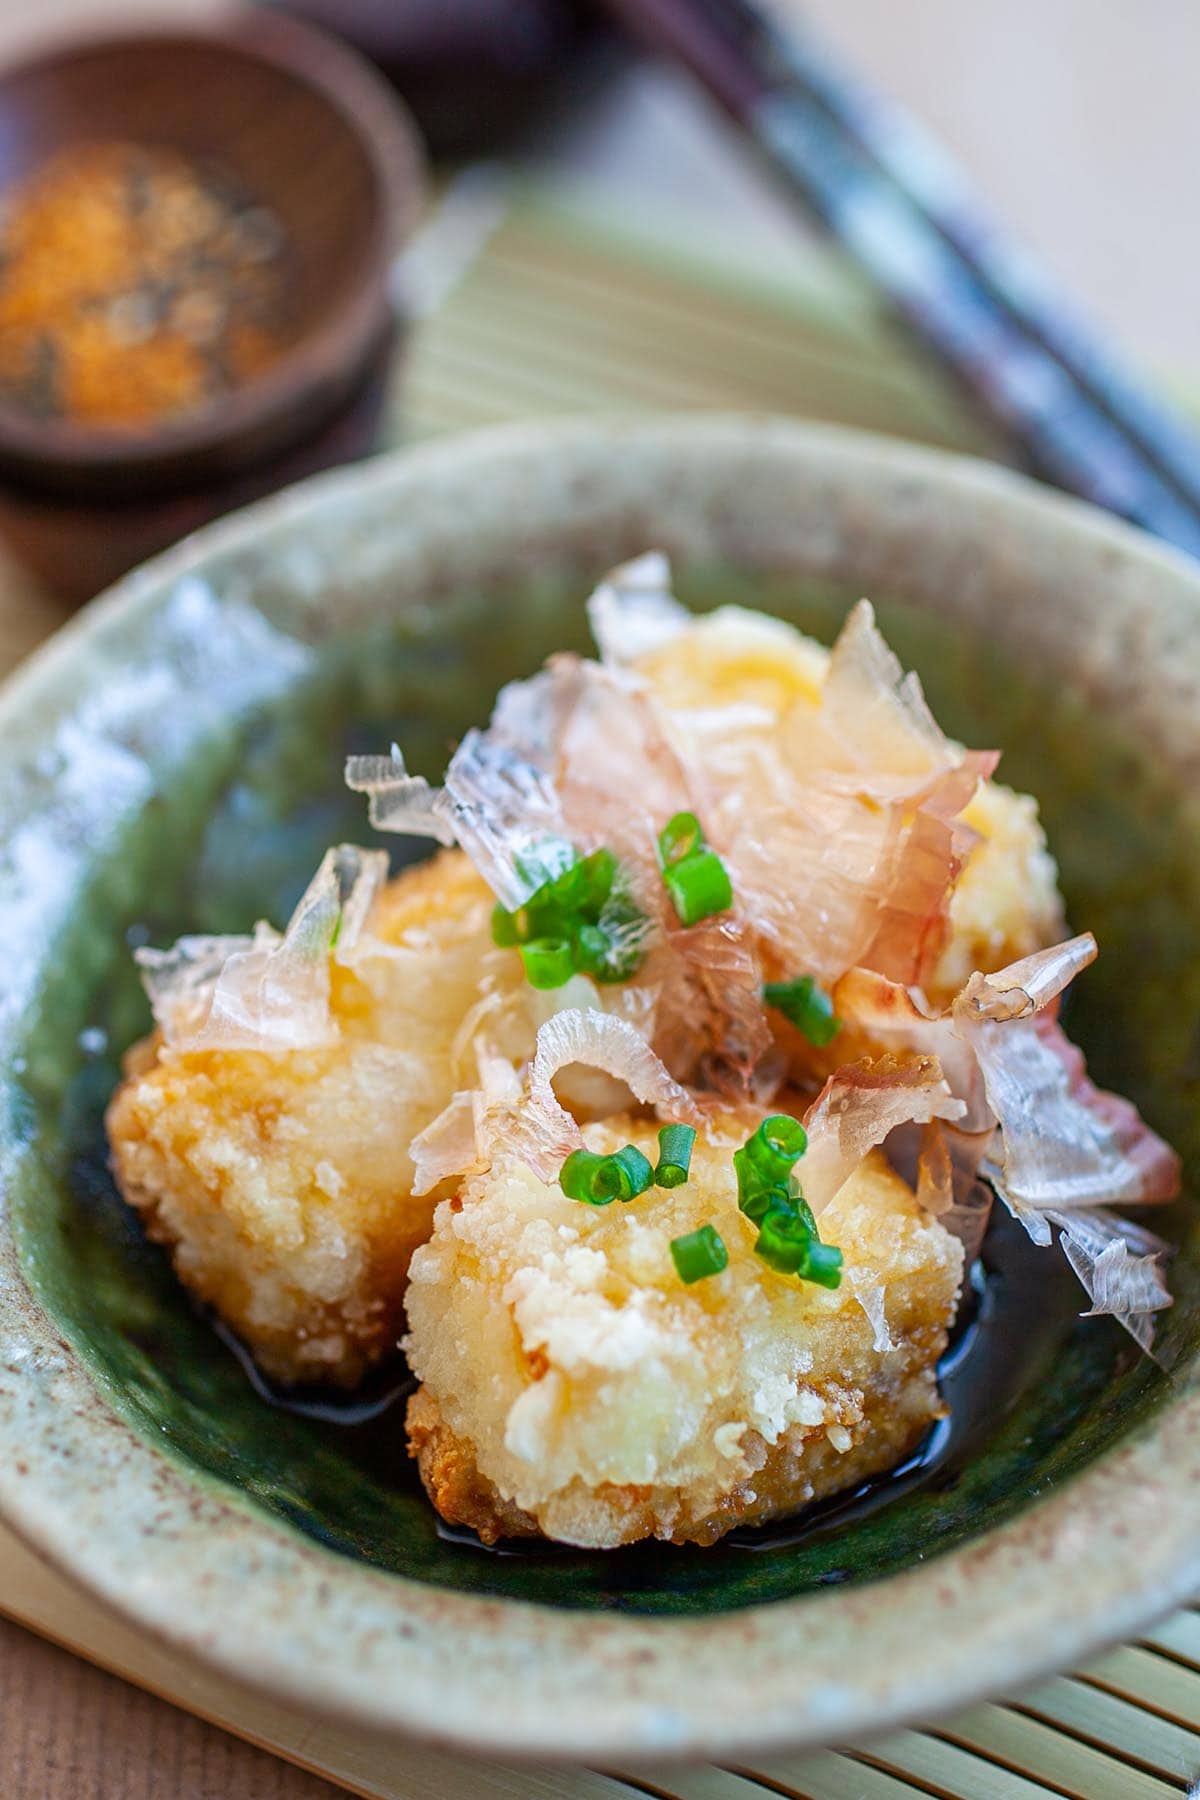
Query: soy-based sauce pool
pixel 1009 1320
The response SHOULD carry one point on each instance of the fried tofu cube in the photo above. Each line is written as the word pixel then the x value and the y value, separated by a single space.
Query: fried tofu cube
pixel 283 1181
pixel 574 1386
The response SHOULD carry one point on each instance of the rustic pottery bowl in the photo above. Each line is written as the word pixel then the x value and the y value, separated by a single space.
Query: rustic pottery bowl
pixel 171 761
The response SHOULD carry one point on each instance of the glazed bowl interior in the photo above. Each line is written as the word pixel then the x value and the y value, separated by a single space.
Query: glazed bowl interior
pixel 173 765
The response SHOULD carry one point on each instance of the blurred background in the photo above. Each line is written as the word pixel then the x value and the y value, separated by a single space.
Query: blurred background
pixel 593 232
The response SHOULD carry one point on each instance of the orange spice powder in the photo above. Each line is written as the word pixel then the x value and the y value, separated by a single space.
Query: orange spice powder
pixel 136 284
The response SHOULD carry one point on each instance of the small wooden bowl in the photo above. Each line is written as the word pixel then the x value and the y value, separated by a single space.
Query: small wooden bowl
pixel 316 136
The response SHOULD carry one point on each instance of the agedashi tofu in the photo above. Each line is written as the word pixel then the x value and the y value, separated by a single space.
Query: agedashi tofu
pixel 649 1114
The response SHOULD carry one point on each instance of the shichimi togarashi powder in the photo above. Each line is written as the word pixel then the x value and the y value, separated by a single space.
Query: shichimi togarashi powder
pixel 136 284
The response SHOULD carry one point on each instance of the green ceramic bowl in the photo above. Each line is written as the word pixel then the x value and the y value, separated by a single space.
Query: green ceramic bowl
pixel 171 762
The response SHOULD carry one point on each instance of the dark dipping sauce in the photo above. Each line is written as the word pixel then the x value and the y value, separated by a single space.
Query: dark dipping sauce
pixel 1009 1320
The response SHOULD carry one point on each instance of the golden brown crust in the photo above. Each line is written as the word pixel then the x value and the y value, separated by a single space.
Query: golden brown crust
pixel 572 1385
pixel 885 1427
pixel 282 1183
pixel 452 1480
pixel 214 1155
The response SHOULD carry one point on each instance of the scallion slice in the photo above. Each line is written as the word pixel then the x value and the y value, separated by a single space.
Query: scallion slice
pixel 674 1155
pixel 505 931
pixel 806 1006
pixel 824 1265
pixel 787 1245
pixel 698 1254
pixel 681 836
pixel 625 1174
pixel 768 1195
pixel 577 1178
pixel 584 905
pixel 592 949
pixel 694 876
pixel 766 1158
pixel 548 962
pixel 783 1240
pixel 599 1180
pixel 699 886
pixel 757 1202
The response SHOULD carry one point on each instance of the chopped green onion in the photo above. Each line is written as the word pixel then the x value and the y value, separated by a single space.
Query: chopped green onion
pixel 625 1174
pixel 757 1202
pixel 699 1253
pixel 587 884
pixel 699 886
pixel 577 1178
pixel 786 1245
pixel 532 921
pixel 766 1158
pixel 584 906
pixel 599 1180
pixel 694 876
pixel 802 1209
pixel 674 1155
pixel 626 927
pixel 681 836
pixel 783 1239
pixel 548 962
pixel 504 927
pixel 607 953
pixel 592 949
pixel 770 1197
pixel 784 1137
pixel 824 1265
pixel 547 862
pixel 621 964
pixel 599 872
pixel 809 1010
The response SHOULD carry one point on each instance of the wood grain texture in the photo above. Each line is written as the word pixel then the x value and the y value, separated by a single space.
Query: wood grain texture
pixel 70 1732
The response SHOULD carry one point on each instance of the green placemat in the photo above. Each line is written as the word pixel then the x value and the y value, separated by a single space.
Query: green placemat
pixel 562 309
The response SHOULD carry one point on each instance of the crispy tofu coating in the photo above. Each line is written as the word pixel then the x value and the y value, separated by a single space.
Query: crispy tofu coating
pixel 283 1182
pixel 573 1385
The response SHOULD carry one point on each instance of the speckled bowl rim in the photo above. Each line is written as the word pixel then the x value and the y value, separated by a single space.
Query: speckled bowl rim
pixel 1101 1556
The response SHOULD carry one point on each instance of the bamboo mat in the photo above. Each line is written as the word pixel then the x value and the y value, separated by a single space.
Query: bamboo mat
pixel 538 305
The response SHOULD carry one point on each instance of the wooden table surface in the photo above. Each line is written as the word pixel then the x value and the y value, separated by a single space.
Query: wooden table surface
pixel 70 1732
pixel 1080 122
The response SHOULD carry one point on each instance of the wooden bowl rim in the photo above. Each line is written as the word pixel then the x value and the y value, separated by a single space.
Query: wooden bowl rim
pixel 326 358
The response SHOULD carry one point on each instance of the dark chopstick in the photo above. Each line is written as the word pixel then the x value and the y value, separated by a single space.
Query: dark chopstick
pixel 897 205
pixel 916 164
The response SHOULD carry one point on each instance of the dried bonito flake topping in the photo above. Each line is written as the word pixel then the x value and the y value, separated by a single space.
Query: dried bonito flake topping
pixel 832 812
pixel 270 991
pixel 1056 1149
pixel 836 830
pixel 667 1102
